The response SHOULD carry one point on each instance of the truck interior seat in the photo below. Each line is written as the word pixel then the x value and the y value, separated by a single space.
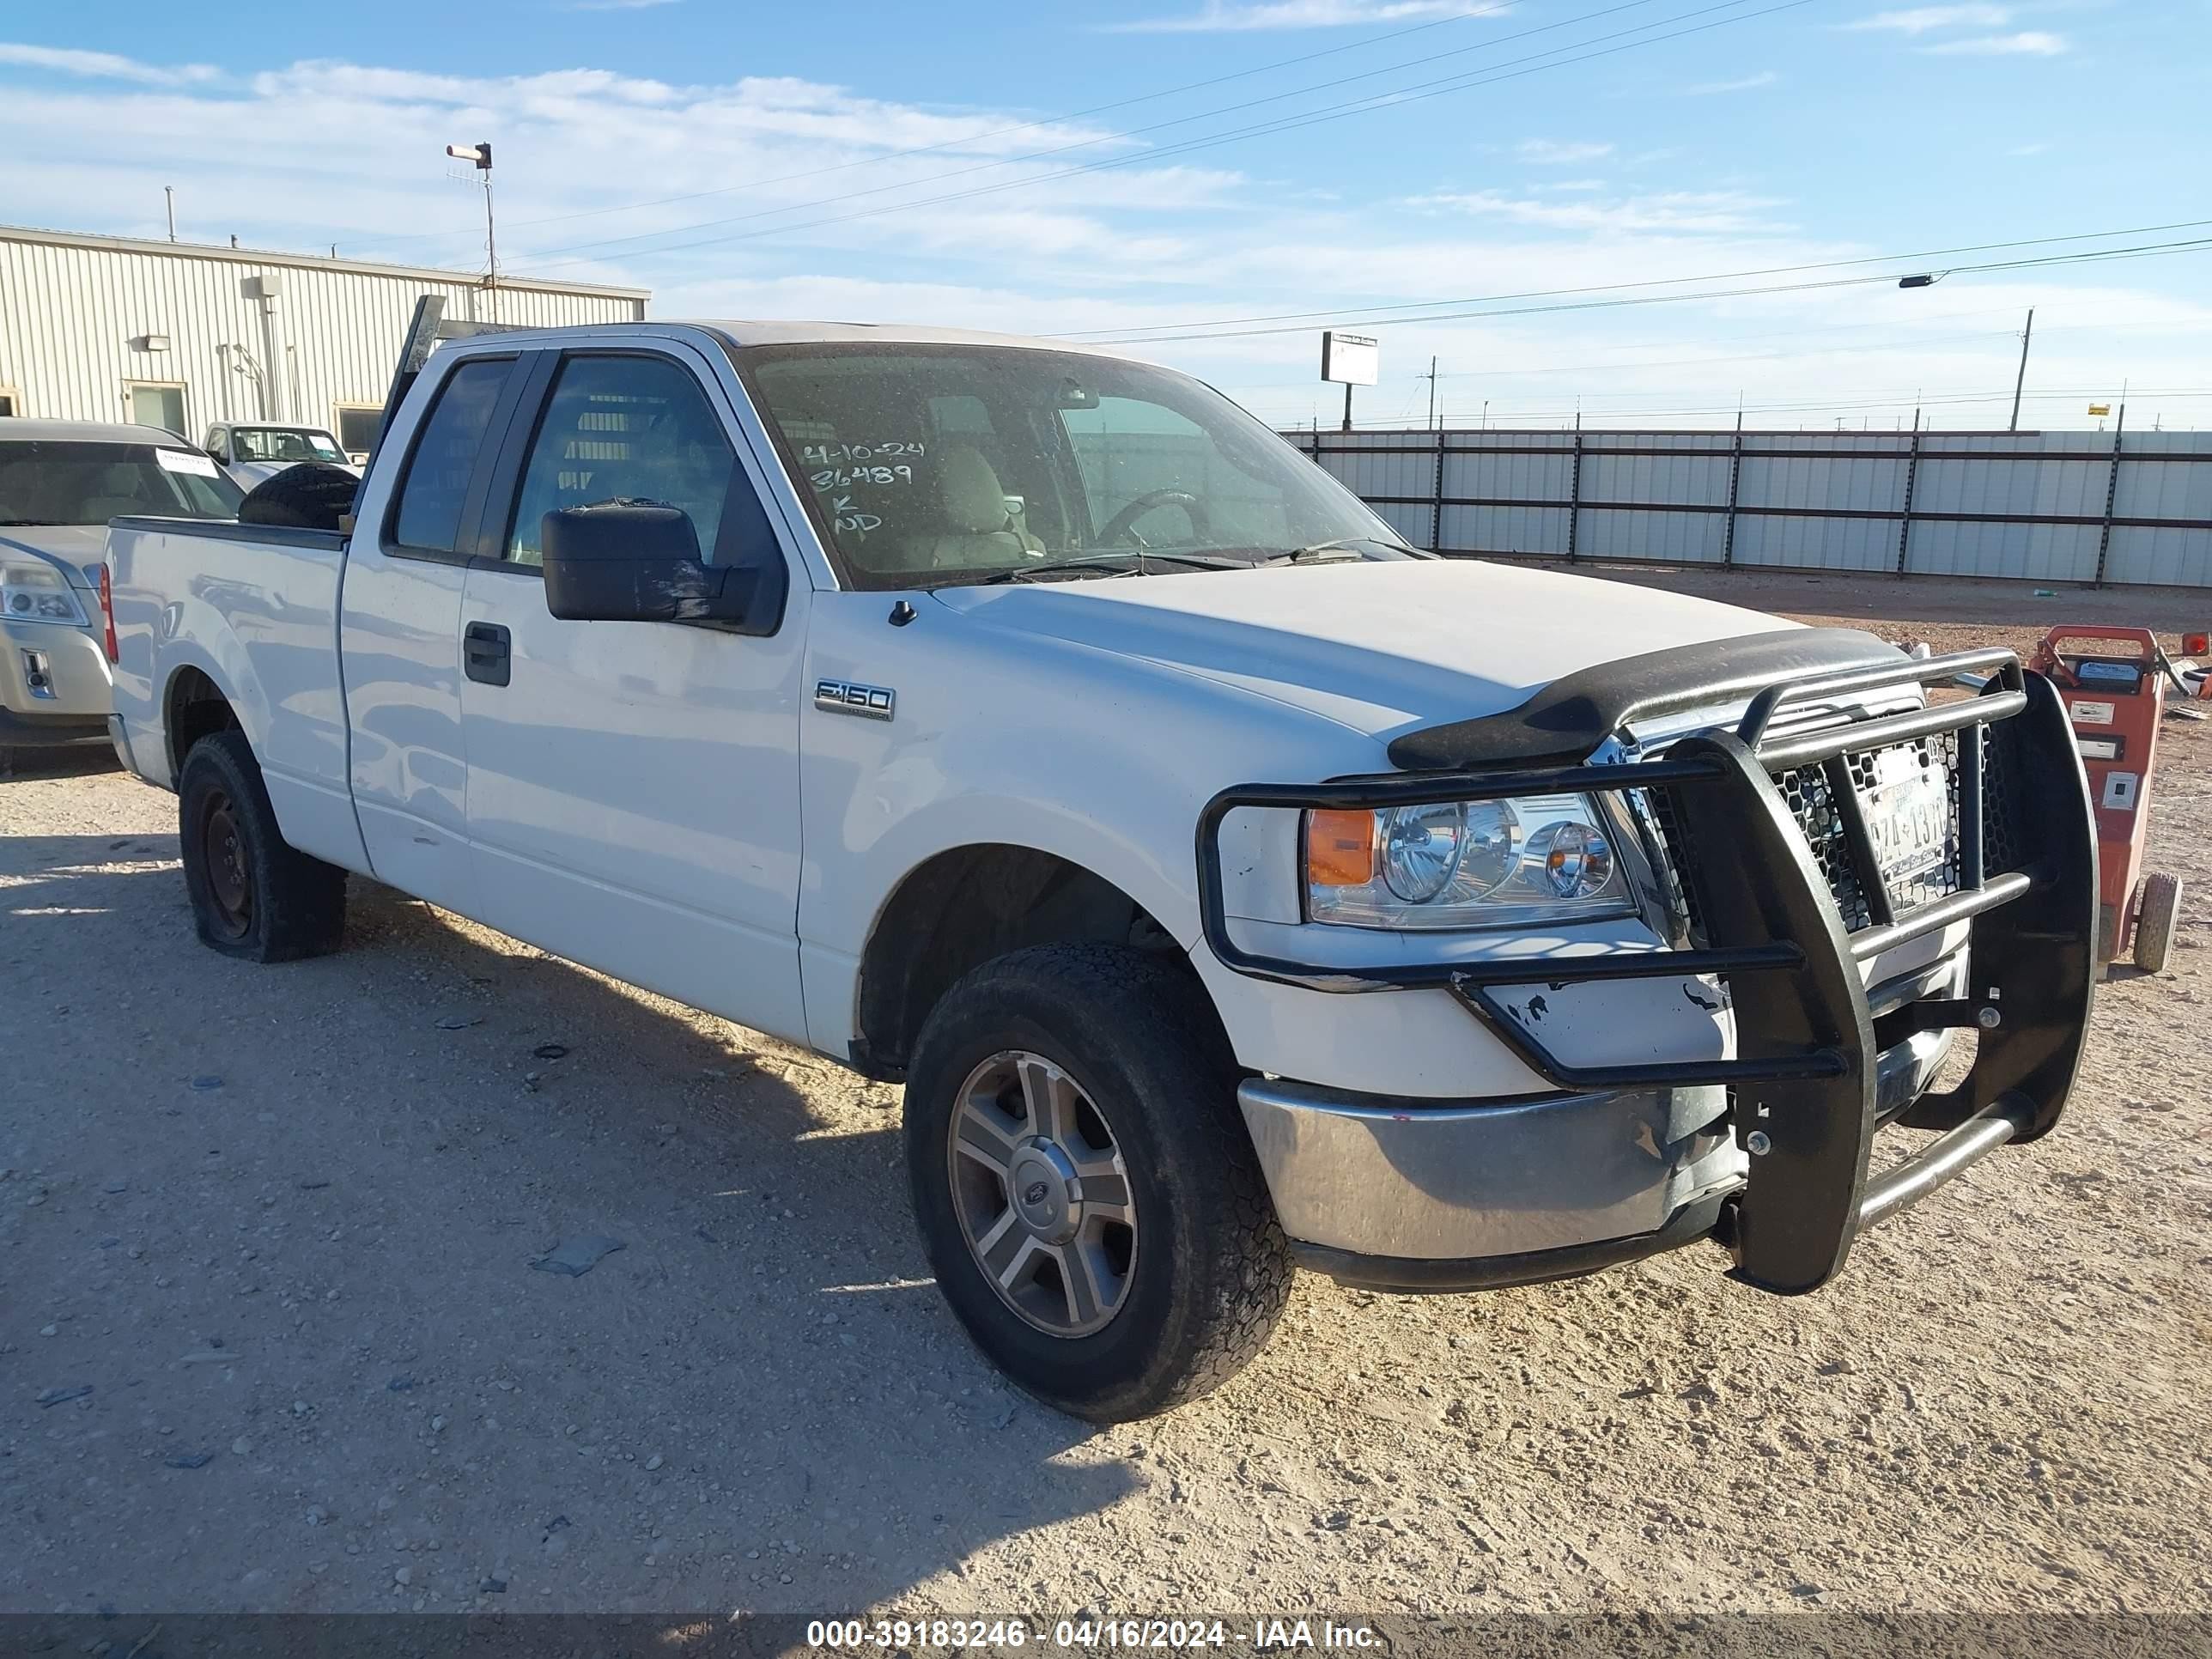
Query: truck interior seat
pixel 977 529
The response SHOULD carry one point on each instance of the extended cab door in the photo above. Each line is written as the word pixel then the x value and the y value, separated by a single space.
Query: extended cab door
pixel 399 624
pixel 633 787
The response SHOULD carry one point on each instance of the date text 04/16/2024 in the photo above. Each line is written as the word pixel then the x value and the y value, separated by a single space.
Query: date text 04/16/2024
pixel 1255 1635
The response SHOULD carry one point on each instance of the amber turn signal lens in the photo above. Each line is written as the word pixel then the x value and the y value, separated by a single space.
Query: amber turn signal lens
pixel 1339 849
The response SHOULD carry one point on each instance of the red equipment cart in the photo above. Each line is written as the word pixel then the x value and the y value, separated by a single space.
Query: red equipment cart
pixel 2112 680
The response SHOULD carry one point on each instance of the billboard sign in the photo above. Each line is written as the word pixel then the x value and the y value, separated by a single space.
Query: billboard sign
pixel 1351 359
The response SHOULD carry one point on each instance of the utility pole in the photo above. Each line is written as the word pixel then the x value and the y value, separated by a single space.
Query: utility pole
pixel 169 195
pixel 1431 378
pixel 480 156
pixel 2019 380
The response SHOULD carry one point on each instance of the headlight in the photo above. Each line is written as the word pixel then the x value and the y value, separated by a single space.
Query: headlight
pixel 1464 864
pixel 37 592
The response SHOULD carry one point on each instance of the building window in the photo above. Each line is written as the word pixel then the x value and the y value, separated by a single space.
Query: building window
pixel 11 401
pixel 159 404
pixel 357 424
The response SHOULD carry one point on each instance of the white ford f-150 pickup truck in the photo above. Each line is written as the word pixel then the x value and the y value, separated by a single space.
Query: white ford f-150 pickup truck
pixel 1232 886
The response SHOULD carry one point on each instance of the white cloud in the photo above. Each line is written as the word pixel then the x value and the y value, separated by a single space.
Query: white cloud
pixel 102 66
pixel 2029 43
pixel 354 157
pixel 1550 153
pixel 1746 84
pixel 1221 16
pixel 1921 19
pixel 1703 212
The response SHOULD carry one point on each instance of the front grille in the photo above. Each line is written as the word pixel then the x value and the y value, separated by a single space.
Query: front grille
pixel 1809 792
pixel 1812 804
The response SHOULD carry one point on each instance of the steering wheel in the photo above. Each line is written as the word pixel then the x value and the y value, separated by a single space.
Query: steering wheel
pixel 1119 526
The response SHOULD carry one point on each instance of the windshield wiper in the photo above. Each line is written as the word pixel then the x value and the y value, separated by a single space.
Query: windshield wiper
pixel 1322 552
pixel 1086 561
pixel 1111 564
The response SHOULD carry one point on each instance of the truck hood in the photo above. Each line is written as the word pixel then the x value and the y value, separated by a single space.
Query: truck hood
pixel 76 548
pixel 1382 647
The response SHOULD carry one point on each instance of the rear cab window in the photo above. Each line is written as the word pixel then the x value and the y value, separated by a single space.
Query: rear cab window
pixel 427 512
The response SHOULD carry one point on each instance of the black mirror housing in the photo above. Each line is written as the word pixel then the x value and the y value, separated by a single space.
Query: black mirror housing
pixel 631 561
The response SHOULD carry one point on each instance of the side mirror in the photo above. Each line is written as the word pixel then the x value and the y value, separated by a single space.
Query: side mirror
pixel 630 561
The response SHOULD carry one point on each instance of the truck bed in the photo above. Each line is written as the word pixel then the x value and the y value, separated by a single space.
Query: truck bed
pixel 255 609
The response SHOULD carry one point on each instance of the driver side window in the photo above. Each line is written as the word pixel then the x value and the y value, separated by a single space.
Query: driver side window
pixel 624 427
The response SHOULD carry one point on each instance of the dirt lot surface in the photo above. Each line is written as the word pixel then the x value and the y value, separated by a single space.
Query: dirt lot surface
pixel 271 1230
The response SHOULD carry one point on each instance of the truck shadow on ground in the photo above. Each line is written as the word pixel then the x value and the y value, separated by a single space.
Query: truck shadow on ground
pixel 347 1168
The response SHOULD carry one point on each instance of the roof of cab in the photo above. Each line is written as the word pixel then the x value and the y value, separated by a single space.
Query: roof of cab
pixel 21 428
pixel 755 332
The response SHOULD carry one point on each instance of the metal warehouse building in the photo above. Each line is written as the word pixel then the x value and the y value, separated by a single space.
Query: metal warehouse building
pixel 181 336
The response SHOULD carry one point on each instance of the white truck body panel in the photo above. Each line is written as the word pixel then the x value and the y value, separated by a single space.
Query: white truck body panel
pixel 669 805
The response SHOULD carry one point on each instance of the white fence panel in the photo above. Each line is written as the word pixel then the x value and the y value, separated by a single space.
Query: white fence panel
pixel 2073 507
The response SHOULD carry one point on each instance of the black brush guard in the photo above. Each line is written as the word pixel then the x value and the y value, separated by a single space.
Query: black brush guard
pixel 1803 1079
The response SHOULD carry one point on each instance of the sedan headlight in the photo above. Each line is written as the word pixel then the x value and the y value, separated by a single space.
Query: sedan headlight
pixel 38 592
pixel 1464 864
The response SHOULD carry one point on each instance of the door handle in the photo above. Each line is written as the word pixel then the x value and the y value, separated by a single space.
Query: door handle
pixel 485 653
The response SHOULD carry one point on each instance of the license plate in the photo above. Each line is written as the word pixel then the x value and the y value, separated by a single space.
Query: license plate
pixel 1908 814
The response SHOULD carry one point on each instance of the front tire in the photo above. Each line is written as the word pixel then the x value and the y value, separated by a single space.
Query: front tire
pixel 253 895
pixel 1084 1185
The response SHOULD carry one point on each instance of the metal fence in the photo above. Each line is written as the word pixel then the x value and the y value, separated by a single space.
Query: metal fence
pixel 2061 506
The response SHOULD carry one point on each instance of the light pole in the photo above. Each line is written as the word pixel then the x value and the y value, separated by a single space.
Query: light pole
pixel 480 156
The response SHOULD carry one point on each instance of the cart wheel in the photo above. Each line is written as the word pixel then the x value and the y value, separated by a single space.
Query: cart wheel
pixel 2156 922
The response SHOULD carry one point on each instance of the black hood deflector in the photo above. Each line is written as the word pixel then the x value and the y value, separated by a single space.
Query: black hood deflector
pixel 1572 716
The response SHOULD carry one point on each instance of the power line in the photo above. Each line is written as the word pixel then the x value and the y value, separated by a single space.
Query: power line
pixel 2149 250
pixel 1041 124
pixel 1372 312
pixel 1382 101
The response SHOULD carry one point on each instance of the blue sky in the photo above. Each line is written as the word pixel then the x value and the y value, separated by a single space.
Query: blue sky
pixel 1072 174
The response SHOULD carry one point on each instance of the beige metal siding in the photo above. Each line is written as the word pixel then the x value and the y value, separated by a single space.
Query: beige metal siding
pixel 75 312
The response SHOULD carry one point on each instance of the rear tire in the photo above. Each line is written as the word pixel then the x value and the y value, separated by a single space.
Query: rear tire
pixel 2156 922
pixel 253 895
pixel 1192 1272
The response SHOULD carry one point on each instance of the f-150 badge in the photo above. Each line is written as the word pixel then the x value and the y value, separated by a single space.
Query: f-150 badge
pixel 850 697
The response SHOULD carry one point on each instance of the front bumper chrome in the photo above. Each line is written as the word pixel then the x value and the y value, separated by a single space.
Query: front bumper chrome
pixel 1437 1181
pixel 1445 1195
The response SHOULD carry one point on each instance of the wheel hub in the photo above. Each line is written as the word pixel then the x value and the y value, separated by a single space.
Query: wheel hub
pixel 228 882
pixel 1047 1193
pixel 1041 1195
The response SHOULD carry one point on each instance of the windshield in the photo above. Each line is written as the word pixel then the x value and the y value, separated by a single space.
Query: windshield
pixel 931 466
pixel 57 482
pixel 284 443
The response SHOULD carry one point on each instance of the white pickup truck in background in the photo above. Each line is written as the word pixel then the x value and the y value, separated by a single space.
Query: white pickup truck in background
pixel 254 453
pixel 1232 886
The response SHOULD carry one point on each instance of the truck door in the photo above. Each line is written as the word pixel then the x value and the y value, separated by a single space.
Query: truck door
pixel 633 787
pixel 397 630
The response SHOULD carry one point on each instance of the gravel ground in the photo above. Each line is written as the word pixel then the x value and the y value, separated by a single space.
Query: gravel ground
pixel 273 1230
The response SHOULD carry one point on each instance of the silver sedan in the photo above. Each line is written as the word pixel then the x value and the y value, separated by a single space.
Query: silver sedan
pixel 60 483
